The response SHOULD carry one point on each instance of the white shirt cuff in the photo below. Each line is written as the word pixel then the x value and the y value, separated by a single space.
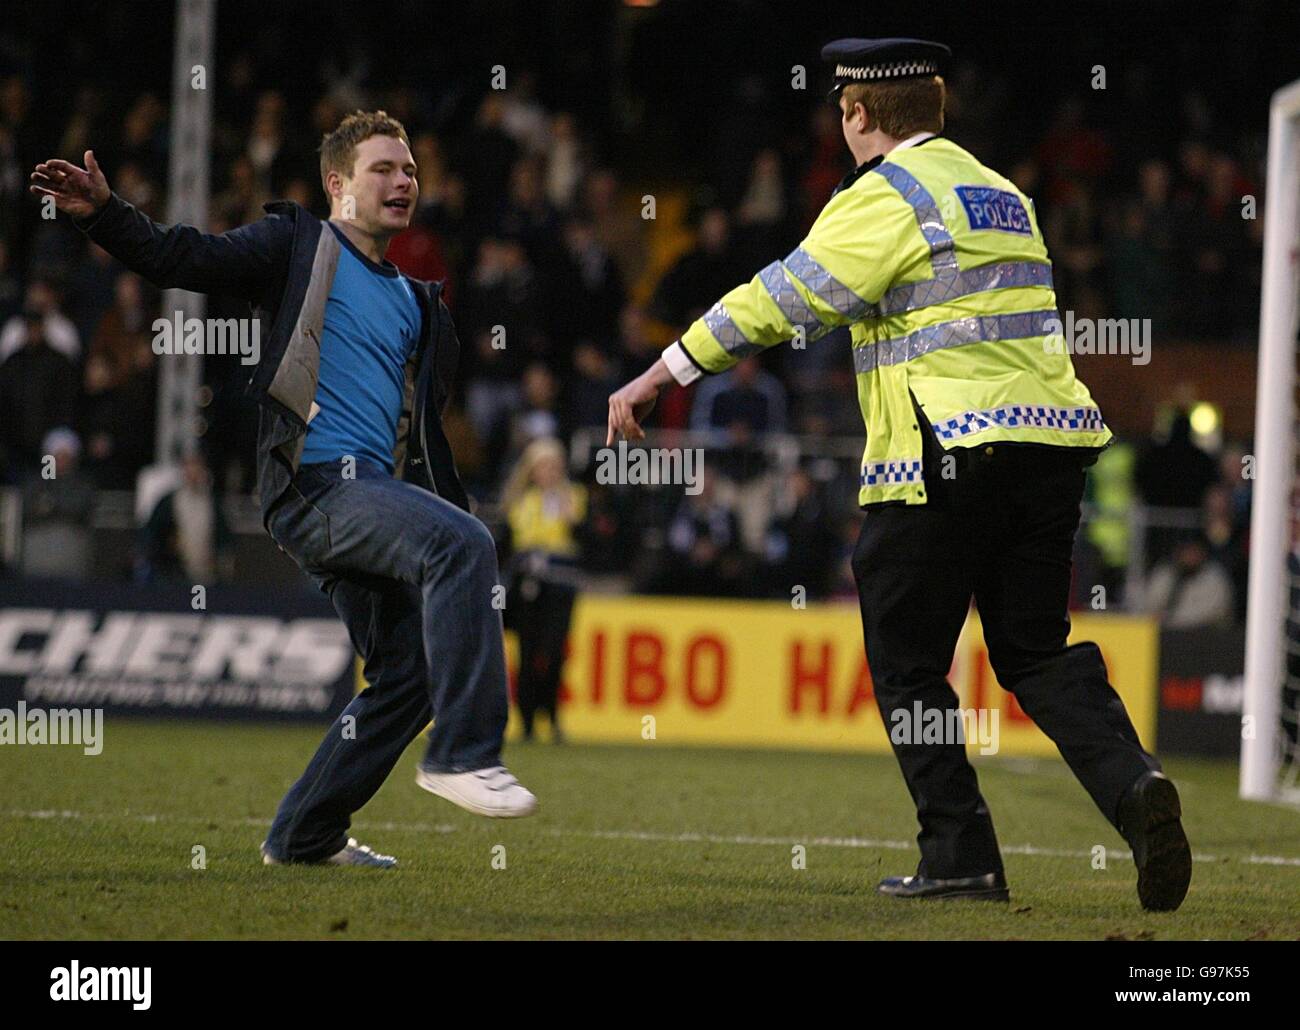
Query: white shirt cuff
pixel 684 370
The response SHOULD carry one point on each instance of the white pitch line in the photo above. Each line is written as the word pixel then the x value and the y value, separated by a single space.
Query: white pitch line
pixel 649 836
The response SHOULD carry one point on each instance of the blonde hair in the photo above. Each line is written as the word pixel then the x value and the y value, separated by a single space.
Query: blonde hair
pixel 521 476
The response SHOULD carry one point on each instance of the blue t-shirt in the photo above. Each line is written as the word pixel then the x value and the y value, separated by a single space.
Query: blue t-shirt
pixel 372 321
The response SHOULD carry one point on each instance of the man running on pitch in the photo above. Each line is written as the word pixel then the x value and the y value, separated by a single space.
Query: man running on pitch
pixel 356 479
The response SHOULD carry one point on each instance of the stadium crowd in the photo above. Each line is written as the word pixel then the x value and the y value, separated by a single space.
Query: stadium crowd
pixel 567 271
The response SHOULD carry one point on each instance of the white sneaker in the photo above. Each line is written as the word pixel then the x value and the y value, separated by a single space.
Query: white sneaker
pixel 492 792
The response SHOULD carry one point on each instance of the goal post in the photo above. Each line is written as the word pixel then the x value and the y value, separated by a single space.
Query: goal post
pixel 1276 427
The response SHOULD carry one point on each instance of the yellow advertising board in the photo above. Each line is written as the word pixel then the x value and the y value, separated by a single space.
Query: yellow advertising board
pixel 763 674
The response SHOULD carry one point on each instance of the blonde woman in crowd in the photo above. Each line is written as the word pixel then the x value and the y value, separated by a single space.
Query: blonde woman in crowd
pixel 544 510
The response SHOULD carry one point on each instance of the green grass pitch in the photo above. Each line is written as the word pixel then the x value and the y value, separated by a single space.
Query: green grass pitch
pixel 645 841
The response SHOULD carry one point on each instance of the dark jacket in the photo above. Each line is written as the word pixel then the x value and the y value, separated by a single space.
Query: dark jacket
pixel 284 267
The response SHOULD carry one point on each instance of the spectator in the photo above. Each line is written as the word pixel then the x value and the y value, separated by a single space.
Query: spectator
pixel 701 277
pixel 1189 590
pixel 11 291
pixel 704 553
pixel 92 289
pixel 585 290
pixel 538 417
pixel 1139 278
pixel 746 401
pixel 527 216
pixel 523 118
pixel 825 166
pixel 117 412
pixel 1226 540
pixel 144 135
pixel 266 143
pixel 57 507
pixel 618 223
pixel 800 542
pixel 500 317
pixel 1175 472
pixel 186 537
pixel 594 377
pixel 57 330
pixel 564 162
pixel 38 391
pixel 488 157
pixel 418 253
pixel 761 215
pixel 544 512
pixel 1214 242
pixel 238 202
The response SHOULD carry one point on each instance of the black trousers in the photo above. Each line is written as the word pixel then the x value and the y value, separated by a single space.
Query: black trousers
pixel 1000 529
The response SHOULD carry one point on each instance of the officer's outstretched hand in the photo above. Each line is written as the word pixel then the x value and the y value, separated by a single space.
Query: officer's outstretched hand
pixel 629 407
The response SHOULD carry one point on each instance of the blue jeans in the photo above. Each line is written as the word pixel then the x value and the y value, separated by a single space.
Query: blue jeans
pixel 413 577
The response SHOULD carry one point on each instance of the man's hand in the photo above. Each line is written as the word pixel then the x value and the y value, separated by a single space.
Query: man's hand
pixel 631 404
pixel 78 191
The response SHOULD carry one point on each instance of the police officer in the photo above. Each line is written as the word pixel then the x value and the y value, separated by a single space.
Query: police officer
pixel 978 437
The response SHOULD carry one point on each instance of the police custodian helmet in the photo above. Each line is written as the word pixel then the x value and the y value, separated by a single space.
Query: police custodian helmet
pixel 881 60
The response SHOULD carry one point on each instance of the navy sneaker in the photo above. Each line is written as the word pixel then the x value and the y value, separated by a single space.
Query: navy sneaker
pixel 352 853
pixel 989 887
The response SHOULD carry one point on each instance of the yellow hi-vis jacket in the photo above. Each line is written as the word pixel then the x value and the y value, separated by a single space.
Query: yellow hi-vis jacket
pixel 939 266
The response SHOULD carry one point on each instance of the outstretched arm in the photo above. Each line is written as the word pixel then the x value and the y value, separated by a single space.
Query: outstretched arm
pixel 830 280
pixel 240 262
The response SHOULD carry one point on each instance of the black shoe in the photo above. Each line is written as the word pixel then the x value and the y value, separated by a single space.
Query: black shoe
pixel 989 887
pixel 1150 820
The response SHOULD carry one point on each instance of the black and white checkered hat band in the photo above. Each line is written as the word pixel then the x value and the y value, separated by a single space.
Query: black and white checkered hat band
pixel 893 70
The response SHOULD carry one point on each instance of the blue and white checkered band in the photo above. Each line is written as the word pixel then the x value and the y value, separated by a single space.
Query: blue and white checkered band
pixel 878 473
pixel 727 333
pixel 889 70
pixel 1070 420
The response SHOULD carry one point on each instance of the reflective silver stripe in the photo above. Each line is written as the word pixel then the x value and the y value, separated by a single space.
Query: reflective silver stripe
pixel 809 271
pixel 727 333
pixel 976 280
pixel 876 473
pixel 789 300
pixel 976 329
pixel 1036 416
pixel 936 234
